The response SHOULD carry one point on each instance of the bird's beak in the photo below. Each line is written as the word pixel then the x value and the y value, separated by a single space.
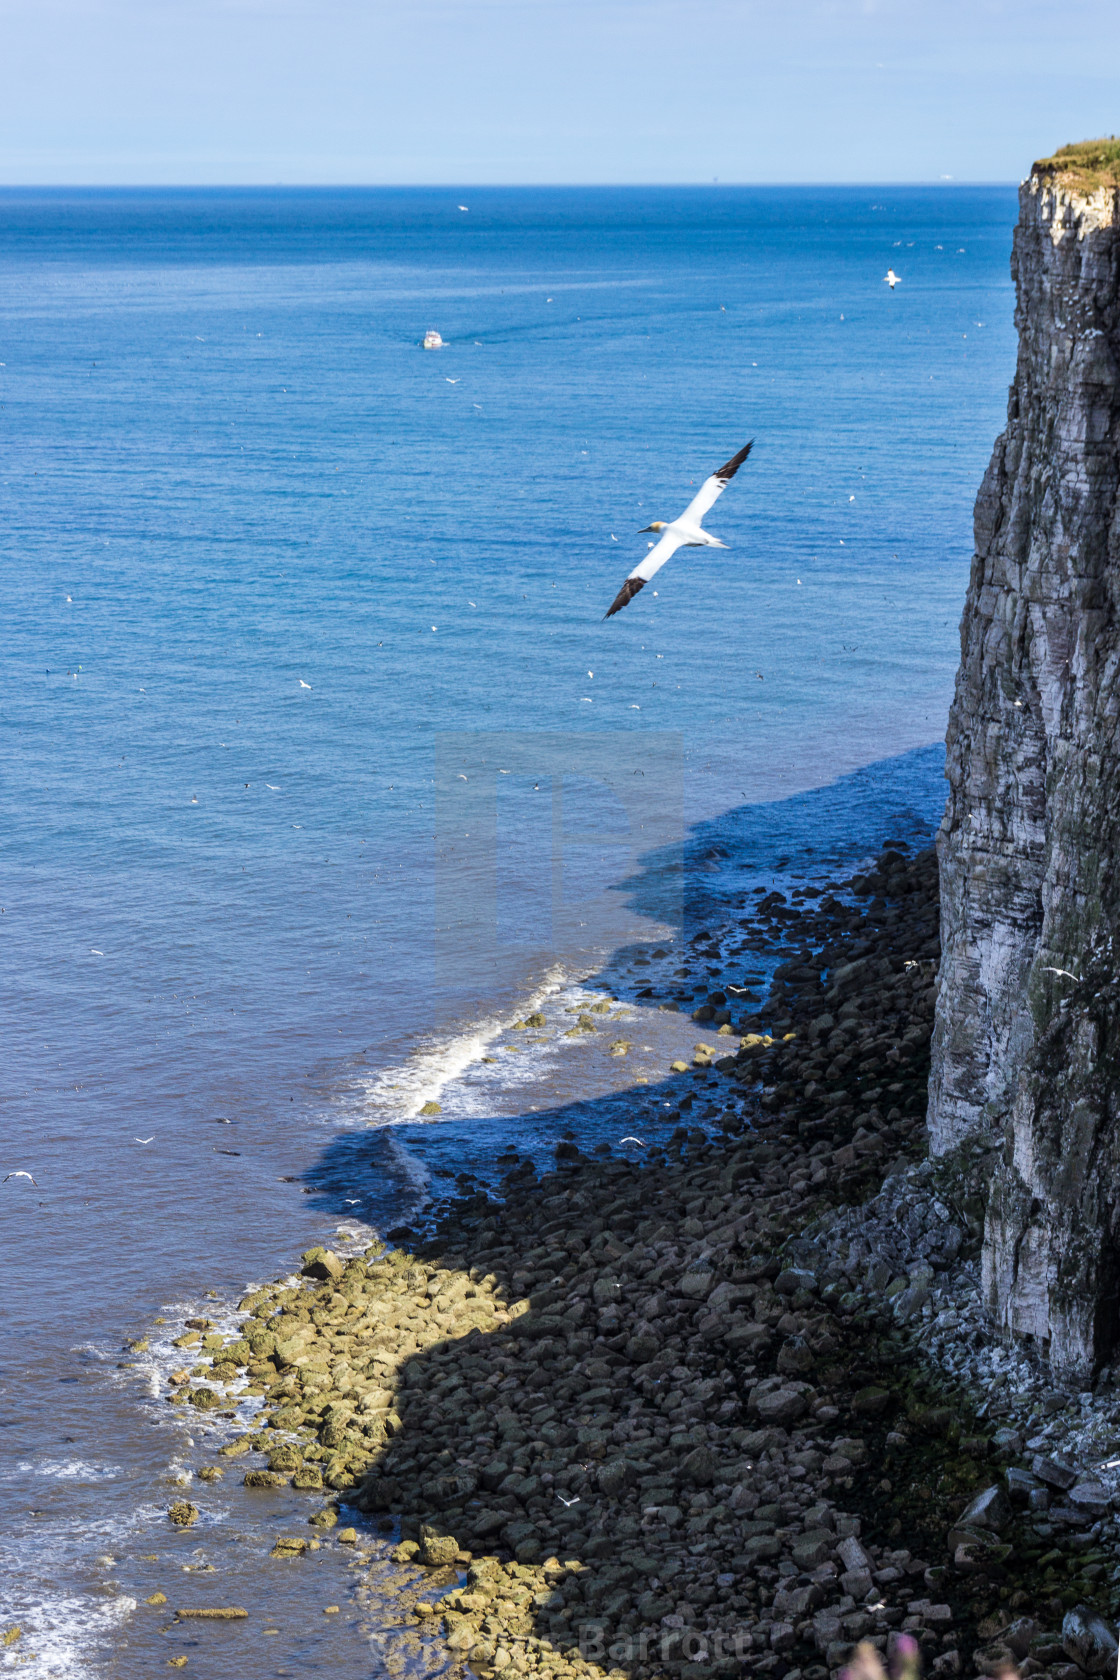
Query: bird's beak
pixel 644 529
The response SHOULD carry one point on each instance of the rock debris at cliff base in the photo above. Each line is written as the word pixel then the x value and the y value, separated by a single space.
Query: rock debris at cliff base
pixel 680 1417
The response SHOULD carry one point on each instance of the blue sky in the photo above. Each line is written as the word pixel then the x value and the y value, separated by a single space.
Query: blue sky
pixel 474 91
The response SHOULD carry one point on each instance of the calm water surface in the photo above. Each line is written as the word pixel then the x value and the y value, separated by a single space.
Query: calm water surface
pixel 319 764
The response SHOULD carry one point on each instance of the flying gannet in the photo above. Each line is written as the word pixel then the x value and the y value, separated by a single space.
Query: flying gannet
pixel 891 278
pixel 685 532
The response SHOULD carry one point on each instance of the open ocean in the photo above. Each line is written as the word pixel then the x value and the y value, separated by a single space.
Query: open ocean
pixel 319 767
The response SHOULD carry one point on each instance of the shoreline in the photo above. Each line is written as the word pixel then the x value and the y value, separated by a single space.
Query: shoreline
pixel 696 1411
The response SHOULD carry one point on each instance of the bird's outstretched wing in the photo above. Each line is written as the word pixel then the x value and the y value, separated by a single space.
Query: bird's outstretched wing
pixel 713 487
pixel 640 576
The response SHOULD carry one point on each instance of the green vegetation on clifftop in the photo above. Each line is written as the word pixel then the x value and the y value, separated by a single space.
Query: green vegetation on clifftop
pixel 1088 165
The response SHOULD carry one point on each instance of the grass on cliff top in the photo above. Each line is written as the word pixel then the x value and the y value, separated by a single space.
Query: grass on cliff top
pixel 1087 165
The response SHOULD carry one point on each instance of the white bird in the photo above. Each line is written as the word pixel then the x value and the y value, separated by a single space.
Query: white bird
pixel 891 279
pixel 94 953
pixel 638 1141
pixel 273 787
pixel 1063 971
pixel 568 1502
pixel 145 1140
pixel 20 1175
pixel 462 206
pixel 302 684
pixel 685 532
pixel 452 381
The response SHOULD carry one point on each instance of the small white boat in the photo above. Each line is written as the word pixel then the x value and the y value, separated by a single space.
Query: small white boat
pixel 432 341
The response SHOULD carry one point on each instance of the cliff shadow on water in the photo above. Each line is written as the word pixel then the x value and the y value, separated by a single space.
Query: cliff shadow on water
pixel 750 852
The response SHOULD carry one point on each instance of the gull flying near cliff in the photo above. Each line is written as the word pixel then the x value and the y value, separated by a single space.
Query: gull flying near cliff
pixel 684 532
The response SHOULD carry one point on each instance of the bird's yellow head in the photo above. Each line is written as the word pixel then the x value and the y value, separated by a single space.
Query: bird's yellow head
pixel 658 525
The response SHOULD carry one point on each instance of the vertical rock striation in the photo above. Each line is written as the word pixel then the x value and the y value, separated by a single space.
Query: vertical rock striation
pixel 1026 1048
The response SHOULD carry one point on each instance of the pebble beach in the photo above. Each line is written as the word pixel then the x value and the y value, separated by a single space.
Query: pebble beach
pixel 721 1404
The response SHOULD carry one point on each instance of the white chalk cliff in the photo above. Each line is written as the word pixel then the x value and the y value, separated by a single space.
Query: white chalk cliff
pixel 1026 1047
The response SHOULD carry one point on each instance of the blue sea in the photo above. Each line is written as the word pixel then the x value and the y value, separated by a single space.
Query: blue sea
pixel 320 766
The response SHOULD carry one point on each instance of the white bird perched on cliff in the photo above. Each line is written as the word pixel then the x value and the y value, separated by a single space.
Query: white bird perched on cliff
pixel 684 532
pixel 891 279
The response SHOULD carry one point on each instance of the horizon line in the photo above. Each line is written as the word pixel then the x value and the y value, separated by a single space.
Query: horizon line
pixel 478 186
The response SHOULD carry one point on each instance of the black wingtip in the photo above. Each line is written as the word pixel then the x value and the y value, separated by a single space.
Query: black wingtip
pixel 626 594
pixel 732 467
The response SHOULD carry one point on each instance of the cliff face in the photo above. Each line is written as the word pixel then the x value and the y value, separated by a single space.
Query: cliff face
pixel 1026 1048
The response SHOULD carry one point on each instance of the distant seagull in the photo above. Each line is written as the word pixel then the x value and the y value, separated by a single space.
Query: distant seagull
pixel 272 787
pixel 452 381
pixel 568 1502
pixel 94 953
pixel 1063 971
pixel 891 278
pixel 145 1140
pixel 302 684
pixel 684 532
pixel 638 1141
pixel 20 1175
pixel 462 207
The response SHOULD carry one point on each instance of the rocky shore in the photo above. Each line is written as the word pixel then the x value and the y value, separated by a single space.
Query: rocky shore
pixel 726 1405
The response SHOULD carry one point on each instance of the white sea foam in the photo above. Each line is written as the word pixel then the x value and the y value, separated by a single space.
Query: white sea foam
pixel 439 1060
pixel 101 1351
pixel 63 1636
pixel 67 1470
